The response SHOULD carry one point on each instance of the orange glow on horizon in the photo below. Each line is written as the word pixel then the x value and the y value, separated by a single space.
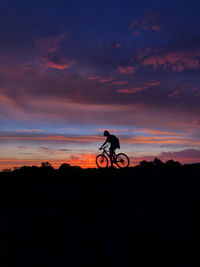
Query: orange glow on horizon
pixel 86 161
pixel 83 161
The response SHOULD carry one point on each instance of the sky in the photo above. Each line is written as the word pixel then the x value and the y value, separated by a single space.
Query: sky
pixel 71 69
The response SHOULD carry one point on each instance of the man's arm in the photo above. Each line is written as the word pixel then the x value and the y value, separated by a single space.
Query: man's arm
pixel 103 145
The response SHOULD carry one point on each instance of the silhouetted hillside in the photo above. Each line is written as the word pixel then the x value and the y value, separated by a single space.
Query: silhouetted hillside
pixel 141 216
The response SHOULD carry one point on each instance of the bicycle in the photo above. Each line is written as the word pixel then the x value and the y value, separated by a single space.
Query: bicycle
pixel 121 159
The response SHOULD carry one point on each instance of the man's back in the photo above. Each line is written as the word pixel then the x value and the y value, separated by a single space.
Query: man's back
pixel 113 140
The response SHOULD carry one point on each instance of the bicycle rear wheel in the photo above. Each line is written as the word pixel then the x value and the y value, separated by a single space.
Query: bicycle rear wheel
pixel 101 161
pixel 122 160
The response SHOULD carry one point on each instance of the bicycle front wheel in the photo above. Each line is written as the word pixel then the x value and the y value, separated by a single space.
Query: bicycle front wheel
pixel 101 161
pixel 122 160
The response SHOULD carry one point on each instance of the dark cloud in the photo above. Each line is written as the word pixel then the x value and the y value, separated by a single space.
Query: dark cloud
pixel 183 156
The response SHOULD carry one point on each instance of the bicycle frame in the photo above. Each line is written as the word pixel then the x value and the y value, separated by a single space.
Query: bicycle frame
pixel 107 152
pixel 121 159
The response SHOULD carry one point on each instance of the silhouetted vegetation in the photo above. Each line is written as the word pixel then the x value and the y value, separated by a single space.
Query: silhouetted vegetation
pixel 147 214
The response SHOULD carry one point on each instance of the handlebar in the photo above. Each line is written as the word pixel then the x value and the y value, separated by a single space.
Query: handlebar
pixel 103 148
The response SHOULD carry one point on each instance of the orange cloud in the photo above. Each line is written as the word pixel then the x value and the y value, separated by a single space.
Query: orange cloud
pixel 105 80
pixel 162 140
pixel 177 61
pixel 99 79
pixel 57 66
pixel 157 132
pixel 127 70
pixel 89 139
pixel 59 63
pixel 48 47
pixel 84 161
pixel 119 82
pixel 139 88
pixel 6 100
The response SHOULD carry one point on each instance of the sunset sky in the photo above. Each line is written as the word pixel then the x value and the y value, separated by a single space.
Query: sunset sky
pixel 71 69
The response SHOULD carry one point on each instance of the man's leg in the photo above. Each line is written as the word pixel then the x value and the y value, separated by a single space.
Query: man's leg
pixel 111 156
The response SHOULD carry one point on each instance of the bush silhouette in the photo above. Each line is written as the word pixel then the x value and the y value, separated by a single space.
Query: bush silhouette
pixel 107 217
pixel 64 167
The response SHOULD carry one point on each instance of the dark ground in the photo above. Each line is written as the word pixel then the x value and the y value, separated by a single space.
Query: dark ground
pixel 142 216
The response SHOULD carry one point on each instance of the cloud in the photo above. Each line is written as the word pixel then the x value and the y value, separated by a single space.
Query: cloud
pixel 142 53
pixel 100 79
pixel 56 62
pixel 197 94
pixel 49 48
pixel 183 154
pixel 116 131
pixel 176 61
pixel 113 45
pixel 133 24
pixel 83 160
pixel 105 80
pixel 6 100
pixel 93 78
pixel 127 70
pixel 197 123
pixel 175 93
pixel 85 139
pixel 29 131
pixel 33 137
pixel 73 98
pixel 163 140
pixel 139 88
pixel 51 44
pixel 159 132
pixel 119 82
pixel 117 45
pixel 156 28
pixel 150 22
pixel 53 150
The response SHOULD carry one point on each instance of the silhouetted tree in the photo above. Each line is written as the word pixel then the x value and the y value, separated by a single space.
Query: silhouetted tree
pixel 64 166
pixel 157 162
pixel 45 164
pixel 7 170
pixel 172 163
pixel 145 163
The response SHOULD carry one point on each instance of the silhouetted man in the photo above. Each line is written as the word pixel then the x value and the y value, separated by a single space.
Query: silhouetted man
pixel 114 143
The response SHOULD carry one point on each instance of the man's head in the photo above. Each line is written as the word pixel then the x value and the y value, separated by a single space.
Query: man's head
pixel 106 133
